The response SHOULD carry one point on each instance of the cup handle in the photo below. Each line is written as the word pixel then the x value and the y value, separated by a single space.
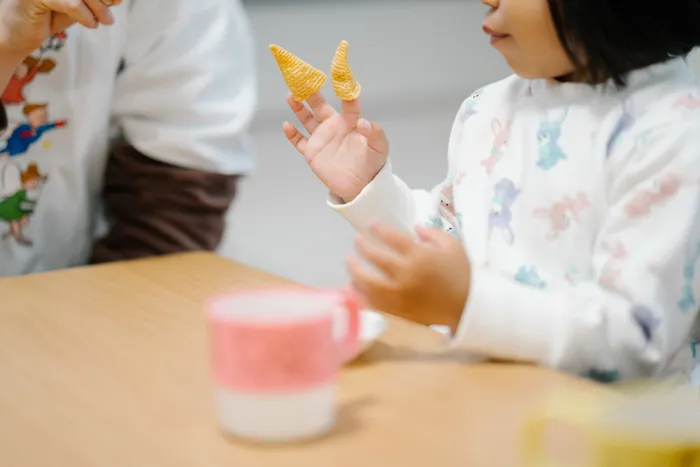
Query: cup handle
pixel 536 425
pixel 349 342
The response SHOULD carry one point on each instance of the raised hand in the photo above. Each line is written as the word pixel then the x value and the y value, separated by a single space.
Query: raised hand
pixel 26 24
pixel 344 150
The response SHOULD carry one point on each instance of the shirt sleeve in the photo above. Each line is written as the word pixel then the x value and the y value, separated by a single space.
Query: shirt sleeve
pixel 187 91
pixel 640 305
pixel 387 198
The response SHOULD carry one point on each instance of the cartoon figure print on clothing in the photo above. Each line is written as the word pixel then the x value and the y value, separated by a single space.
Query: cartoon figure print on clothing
pixel 623 124
pixel 501 134
pixel 54 43
pixel 694 377
pixel 562 212
pixel 23 75
pixel 689 101
pixel 447 218
pixel 501 214
pixel 530 277
pixel 548 135
pixel 468 109
pixel 663 189
pixel 447 207
pixel 611 270
pixel 23 136
pixel 688 300
pixel 602 376
pixel 20 194
pixel 572 274
pixel 32 66
pixel 646 320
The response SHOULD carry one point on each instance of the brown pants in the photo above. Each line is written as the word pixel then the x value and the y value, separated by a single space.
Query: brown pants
pixel 156 208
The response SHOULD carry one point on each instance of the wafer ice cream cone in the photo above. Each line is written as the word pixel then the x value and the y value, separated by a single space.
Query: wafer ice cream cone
pixel 344 83
pixel 302 79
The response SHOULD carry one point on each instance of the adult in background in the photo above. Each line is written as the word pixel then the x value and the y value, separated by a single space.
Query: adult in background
pixel 125 127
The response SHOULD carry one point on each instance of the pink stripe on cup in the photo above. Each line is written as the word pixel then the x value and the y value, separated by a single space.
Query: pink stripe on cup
pixel 250 357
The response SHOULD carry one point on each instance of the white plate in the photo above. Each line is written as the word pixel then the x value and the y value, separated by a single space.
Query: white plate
pixel 444 330
pixel 372 326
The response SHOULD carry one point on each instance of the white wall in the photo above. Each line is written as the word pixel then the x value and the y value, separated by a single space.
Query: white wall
pixel 416 61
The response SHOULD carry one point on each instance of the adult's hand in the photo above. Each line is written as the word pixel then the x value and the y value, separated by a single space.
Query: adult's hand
pixel 26 24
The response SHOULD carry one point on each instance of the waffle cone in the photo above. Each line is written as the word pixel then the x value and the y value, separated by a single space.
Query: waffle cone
pixel 302 79
pixel 344 83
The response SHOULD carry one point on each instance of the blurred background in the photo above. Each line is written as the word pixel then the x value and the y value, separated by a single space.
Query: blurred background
pixel 417 62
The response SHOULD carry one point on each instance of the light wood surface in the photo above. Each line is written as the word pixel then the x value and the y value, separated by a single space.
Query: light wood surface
pixel 107 366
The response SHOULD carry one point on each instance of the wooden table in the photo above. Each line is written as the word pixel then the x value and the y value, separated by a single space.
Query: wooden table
pixel 107 366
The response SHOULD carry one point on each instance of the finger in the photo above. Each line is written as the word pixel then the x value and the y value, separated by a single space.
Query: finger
pixel 376 138
pixel 76 10
pixel 372 285
pixel 321 109
pixel 100 10
pixel 394 238
pixel 385 259
pixel 303 113
pixel 363 296
pixel 298 140
pixel 352 109
pixel 435 237
pixel 365 276
pixel 60 22
pixel 324 135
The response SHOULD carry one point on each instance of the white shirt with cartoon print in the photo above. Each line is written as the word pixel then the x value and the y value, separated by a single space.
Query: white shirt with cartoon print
pixel 175 78
pixel 579 207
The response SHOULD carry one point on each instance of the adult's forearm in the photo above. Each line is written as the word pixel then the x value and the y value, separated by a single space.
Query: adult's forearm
pixel 6 70
pixel 9 61
pixel 8 64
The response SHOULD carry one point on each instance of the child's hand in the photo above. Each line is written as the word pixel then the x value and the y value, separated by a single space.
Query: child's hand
pixel 343 150
pixel 426 282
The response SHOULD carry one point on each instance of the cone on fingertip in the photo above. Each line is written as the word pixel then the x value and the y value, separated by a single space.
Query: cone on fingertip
pixel 344 83
pixel 302 79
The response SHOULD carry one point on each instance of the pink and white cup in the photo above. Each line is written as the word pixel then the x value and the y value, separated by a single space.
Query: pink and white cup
pixel 275 354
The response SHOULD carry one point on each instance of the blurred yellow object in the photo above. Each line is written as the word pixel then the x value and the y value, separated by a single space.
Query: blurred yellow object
pixel 47 145
pixel 657 388
pixel 344 83
pixel 302 79
pixel 648 428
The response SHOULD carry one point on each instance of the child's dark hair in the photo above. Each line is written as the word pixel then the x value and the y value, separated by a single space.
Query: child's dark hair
pixel 606 39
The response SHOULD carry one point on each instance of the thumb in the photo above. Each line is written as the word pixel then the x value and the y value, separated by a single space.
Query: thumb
pixel 374 133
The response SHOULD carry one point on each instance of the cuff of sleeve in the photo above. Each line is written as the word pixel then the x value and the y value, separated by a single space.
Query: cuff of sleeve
pixel 385 199
pixel 507 320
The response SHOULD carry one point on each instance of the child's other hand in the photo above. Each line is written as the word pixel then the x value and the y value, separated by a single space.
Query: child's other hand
pixel 426 282
pixel 344 151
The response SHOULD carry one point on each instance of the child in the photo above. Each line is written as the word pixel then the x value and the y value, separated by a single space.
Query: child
pixel 573 186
